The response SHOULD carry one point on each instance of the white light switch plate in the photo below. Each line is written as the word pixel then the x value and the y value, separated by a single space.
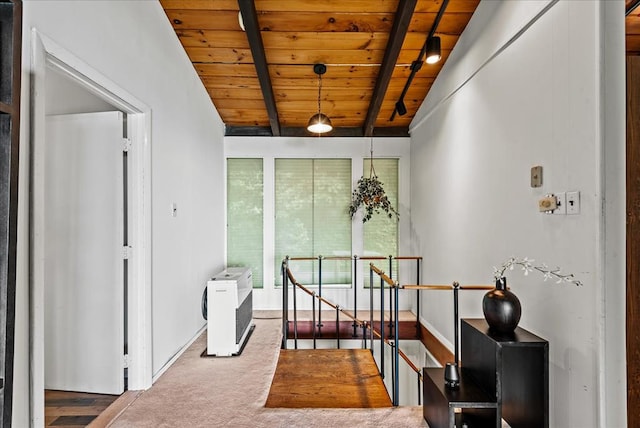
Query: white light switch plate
pixel 573 203
pixel 561 199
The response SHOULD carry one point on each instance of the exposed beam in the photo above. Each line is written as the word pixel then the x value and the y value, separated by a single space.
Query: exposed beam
pixel 247 131
pixel 417 64
pixel 265 131
pixel 391 131
pixel 396 38
pixel 252 28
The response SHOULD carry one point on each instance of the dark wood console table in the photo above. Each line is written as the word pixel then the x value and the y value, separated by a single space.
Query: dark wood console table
pixel 502 377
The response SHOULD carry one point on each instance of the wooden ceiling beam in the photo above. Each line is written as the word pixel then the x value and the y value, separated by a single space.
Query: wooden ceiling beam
pixel 250 18
pixel 265 131
pixel 396 39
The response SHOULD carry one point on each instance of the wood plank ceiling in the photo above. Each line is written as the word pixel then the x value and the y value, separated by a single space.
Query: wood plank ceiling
pixel 632 24
pixel 262 82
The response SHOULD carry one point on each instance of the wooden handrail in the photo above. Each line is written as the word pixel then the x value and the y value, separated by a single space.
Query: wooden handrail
pixel 382 275
pixel 322 299
pixel 408 258
pixel 357 257
pixel 402 354
pixel 426 287
pixel 409 362
pixel 446 287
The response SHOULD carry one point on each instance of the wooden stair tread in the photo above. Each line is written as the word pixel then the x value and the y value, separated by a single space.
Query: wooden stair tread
pixel 327 378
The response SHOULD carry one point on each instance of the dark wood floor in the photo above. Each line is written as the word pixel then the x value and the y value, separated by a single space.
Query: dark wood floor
pixel 74 409
pixel 327 378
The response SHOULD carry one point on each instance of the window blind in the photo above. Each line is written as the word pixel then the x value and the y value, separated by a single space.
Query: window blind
pixel 245 216
pixel 311 208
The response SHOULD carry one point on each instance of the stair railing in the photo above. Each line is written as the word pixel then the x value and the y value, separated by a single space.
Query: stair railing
pixel 290 279
pixel 354 284
pixel 367 327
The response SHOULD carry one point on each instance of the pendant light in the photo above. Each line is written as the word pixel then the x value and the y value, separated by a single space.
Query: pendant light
pixel 319 122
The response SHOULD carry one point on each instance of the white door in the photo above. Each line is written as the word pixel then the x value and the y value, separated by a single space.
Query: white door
pixel 84 267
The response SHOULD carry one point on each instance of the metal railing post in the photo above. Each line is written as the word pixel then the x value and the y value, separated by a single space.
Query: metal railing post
pixel 313 322
pixel 320 295
pixel 393 372
pixel 285 303
pixel 371 307
pixel 396 350
pixel 338 326
pixel 418 330
pixel 456 288
pixel 295 317
pixel 390 297
pixel 364 335
pixel 382 327
pixel 355 293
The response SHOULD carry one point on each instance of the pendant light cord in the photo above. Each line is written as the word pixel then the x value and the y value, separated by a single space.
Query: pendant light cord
pixel 319 94
pixel 372 171
pixel 319 91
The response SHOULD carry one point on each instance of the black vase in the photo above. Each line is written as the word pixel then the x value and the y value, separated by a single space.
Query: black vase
pixel 501 308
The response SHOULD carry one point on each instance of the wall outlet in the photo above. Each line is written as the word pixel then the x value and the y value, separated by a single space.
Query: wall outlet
pixel 573 203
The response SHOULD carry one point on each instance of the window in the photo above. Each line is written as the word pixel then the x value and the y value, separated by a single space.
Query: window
pixel 311 218
pixel 381 232
pixel 245 216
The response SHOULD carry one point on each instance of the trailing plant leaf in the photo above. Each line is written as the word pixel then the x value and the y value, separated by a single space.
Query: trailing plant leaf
pixel 370 194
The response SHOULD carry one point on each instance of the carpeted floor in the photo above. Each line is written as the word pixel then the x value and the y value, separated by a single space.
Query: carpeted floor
pixel 231 392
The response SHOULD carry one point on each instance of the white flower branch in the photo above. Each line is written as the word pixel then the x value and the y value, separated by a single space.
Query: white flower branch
pixel 527 266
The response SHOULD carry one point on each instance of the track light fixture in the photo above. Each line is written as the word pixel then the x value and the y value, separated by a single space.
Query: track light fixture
pixel 433 50
pixel 319 122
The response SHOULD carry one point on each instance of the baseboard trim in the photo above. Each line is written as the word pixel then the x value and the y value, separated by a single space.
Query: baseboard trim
pixel 116 408
pixel 178 354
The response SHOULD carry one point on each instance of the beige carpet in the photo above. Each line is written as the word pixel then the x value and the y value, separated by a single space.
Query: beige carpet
pixel 231 392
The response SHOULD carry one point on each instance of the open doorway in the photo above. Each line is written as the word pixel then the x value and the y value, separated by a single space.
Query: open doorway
pixel 85 265
pixel 70 105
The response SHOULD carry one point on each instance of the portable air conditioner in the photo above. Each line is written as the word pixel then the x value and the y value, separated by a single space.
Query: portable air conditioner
pixel 229 311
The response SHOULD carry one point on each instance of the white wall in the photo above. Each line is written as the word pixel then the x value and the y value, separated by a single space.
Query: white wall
pixel 66 97
pixel 133 45
pixel 497 109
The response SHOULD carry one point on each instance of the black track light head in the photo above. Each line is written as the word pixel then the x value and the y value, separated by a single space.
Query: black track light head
pixel 401 108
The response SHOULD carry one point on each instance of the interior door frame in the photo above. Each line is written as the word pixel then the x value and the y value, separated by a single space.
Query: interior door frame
pixel 47 56
pixel 633 241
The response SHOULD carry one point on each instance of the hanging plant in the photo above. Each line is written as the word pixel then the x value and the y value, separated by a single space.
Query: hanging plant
pixel 369 193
